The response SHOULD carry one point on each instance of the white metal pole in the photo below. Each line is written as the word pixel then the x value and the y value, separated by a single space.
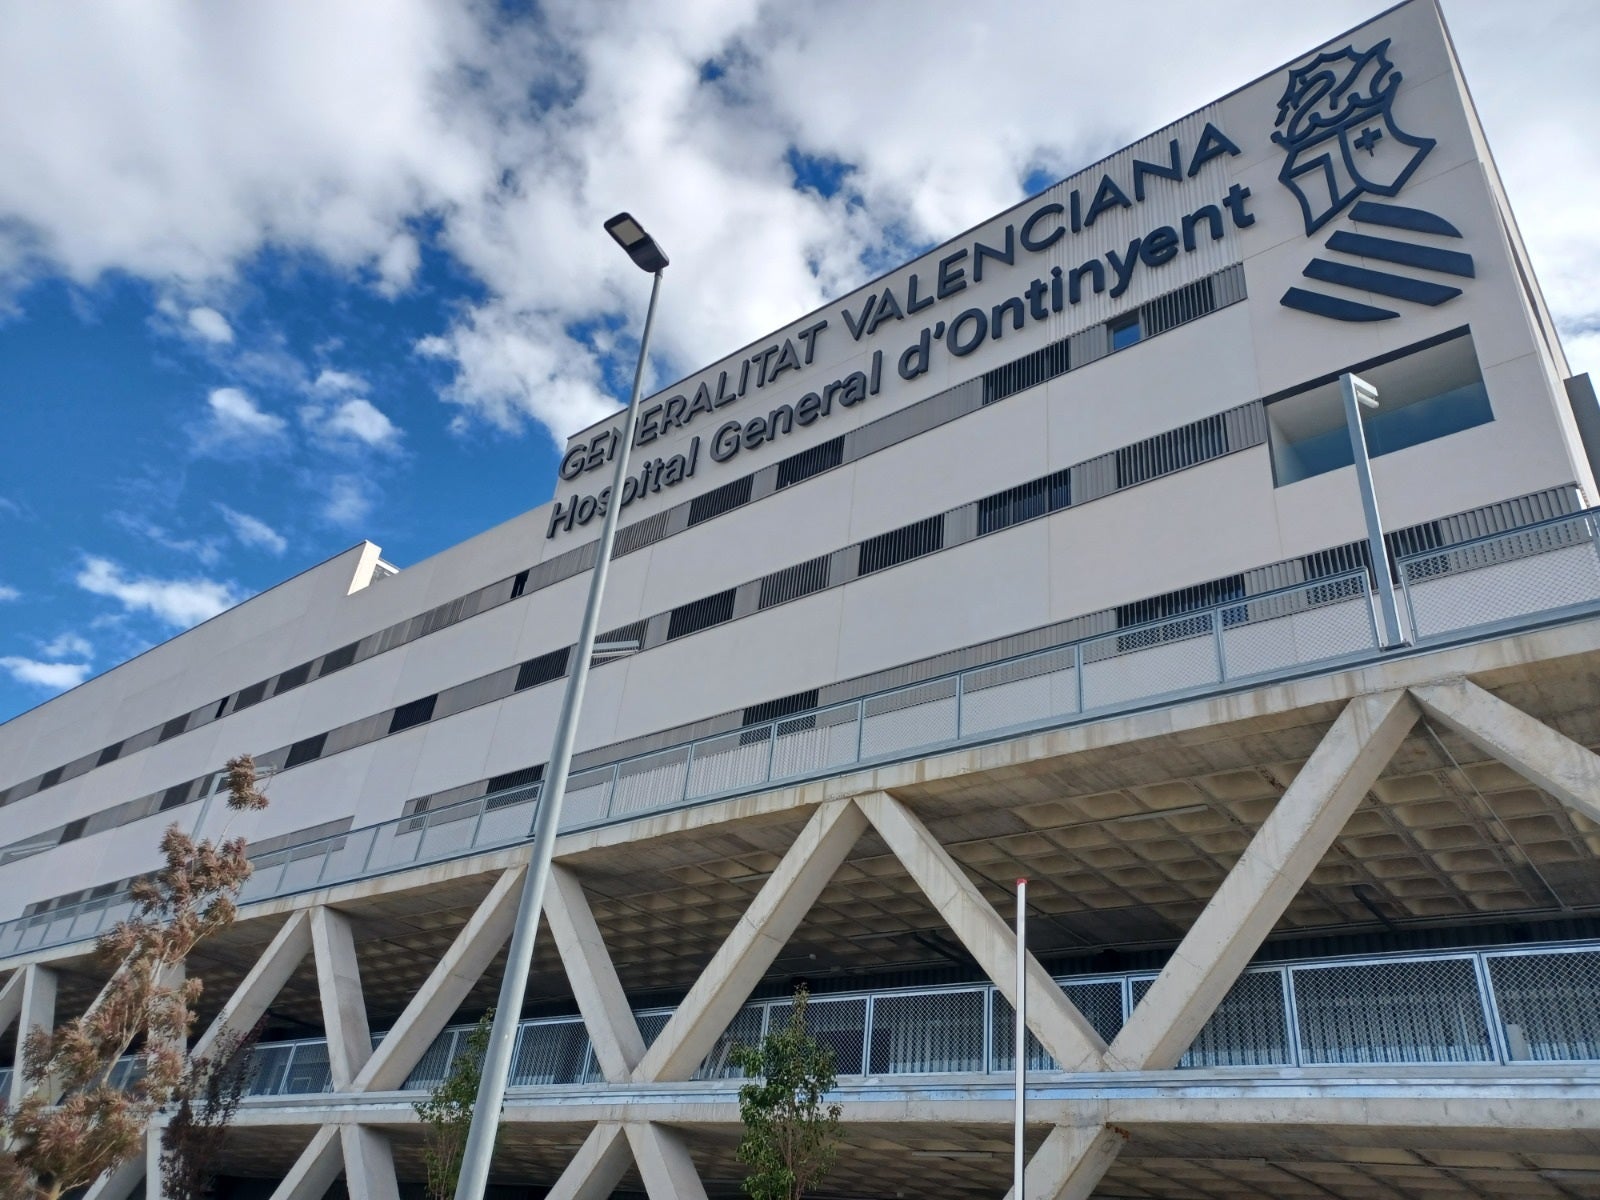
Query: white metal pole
pixel 1357 392
pixel 1022 1037
pixel 519 958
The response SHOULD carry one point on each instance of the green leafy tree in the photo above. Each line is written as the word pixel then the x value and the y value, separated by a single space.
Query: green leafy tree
pixel 790 1135
pixel 75 1123
pixel 447 1112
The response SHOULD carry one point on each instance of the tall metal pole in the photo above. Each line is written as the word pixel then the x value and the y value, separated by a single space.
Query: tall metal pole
pixel 1022 1038
pixel 519 958
pixel 1357 392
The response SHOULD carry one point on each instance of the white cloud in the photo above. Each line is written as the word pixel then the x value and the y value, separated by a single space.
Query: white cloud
pixel 355 420
pixel 252 531
pixel 179 603
pixel 348 501
pixel 67 645
pixel 234 422
pixel 206 550
pixel 7 592
pixel 211 325
pixel 55 676
pixel 336 383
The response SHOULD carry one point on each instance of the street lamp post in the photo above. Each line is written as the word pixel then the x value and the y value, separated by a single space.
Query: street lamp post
pixel 646 255
pixel 1357 394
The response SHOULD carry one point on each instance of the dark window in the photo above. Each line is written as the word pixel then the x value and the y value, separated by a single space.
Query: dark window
pixel 1028 371
pixel 543 669
pixel 109 754
pixel 793 582
pixel 720 500
pixel 1339 561
pixel 253 694
pixel 516 779
pixel 338 660
pixel 900 545
pixel 50 778
pixel 175 795
pixel 1175 308
pixel 623 634
pixel 305 750
pixel 771 710
pixel 176 726
pixel 1172 451
pixel 519 584
pixel 1124 332
pixel 811 462
pixel 1184 600
pixel 222 707
pixel 1023 503
pixel 292 678
pixel 418 712
pixel 74 830
pixel 701 614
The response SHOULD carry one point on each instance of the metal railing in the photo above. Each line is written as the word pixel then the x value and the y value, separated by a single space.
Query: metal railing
pixel 1537 572
pixel 1504 1006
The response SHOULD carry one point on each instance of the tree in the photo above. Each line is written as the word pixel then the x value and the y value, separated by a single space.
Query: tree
pixel 447 1112
pixel 208 1097
pixel 74 1122
pixel 790 1135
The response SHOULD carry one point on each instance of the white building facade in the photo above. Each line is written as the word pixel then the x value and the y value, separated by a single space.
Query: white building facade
pixel 1040 555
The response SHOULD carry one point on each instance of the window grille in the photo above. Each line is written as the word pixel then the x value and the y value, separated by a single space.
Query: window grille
pixel 1175 308
pixel 901 545
pixel 109 754
pixel 1189 599
pixel 720 500
pixel 1024 502
pixel 515 779
pixel 292 678
pixel 519 584
pixel 634 631
pixel 1172 451
pixel 338 660
pixel 418 712
pixel 542 669
pixel 815 461
pixel 174 796
pixel 74 830
pixel 771 710
pixel 1028 371
pixel 793 582
pixel 305 750
pixel 174 727
pixel 701 614
pixel 253 694
pixel 50 778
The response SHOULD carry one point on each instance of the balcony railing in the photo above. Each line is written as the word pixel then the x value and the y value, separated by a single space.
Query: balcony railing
pixel 1530 1004
pixel 1546 571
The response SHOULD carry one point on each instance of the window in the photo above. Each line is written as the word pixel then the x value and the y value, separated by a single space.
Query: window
pixel 175 795
pixel 109 754
pixel 418 712
pixel 74 830
pixel 253 694
pixel 50 778
pixel 338 660
pixel 306 750
pixel 519 584
pixel 176 726
pixel 1024 502
pixel 720 500
pixel 1026 372
pixel 1124 332
pixel 292 678
pixel 1423 394
pixel 701 614
pixel 542 669
pixel 811 462
pixel 901 545
pixel 793 582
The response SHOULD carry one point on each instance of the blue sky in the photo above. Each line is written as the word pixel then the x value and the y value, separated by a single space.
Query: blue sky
pixel 275 278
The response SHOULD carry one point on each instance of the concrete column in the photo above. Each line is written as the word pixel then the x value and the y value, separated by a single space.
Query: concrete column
pixel 315 1170
pixel 153 1187
pixel 36 1009
pixel 1551 760
pixel 368 1163
pixel 1273 868
pixel 613 1030
pixel 1071 1163
pixel 344 1009
pixel 444 989
pixel 664 1163
pixel 11 998
pixel 121 1182
pixel 598 1166
pixel 756 940
pixel 262 983
pixel 1054 1020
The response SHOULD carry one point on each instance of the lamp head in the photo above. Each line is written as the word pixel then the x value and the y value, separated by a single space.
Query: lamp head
pixel 641 247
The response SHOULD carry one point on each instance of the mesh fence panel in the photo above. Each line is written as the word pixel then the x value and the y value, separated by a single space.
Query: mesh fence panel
pixel 308 1070
pixel 652 1023
pixel 434 1064
pixel 911 717
pixel 269 1064
pixel 1003 1039
pixel 449 831
pixel 347 855
pixel 1406 1011
pixel 550 1052
pixel 651 782
pixel 734 760
pixel 815 742
pixel 1323 621
pixel 746 1028
pixel 588 798
pixel 925 1032
pixel 1149 661
pixel 1249 1028
pixel 840 1025
pixel 1018 693
pixel 508 817
pixel 1549 1004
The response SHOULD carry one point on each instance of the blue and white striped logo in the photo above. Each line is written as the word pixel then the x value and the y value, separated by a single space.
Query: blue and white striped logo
pixel 1341 144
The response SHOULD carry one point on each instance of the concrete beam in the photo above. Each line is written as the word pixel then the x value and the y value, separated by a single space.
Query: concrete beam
pixel 444 989
pixel 262 983
pixel 1071 1163
pixel 1551 760
pixel 11 998
pixel 315 1170
pixel 758 938
pixel 121 1182
pixel 597 1168
pixel 613 1029
pixel 344 1009
pixel 1054 1020
pixel 368 1164
pixel 1273 868
pixel 664 1162
pixel 154 1189
pixel 36 1009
